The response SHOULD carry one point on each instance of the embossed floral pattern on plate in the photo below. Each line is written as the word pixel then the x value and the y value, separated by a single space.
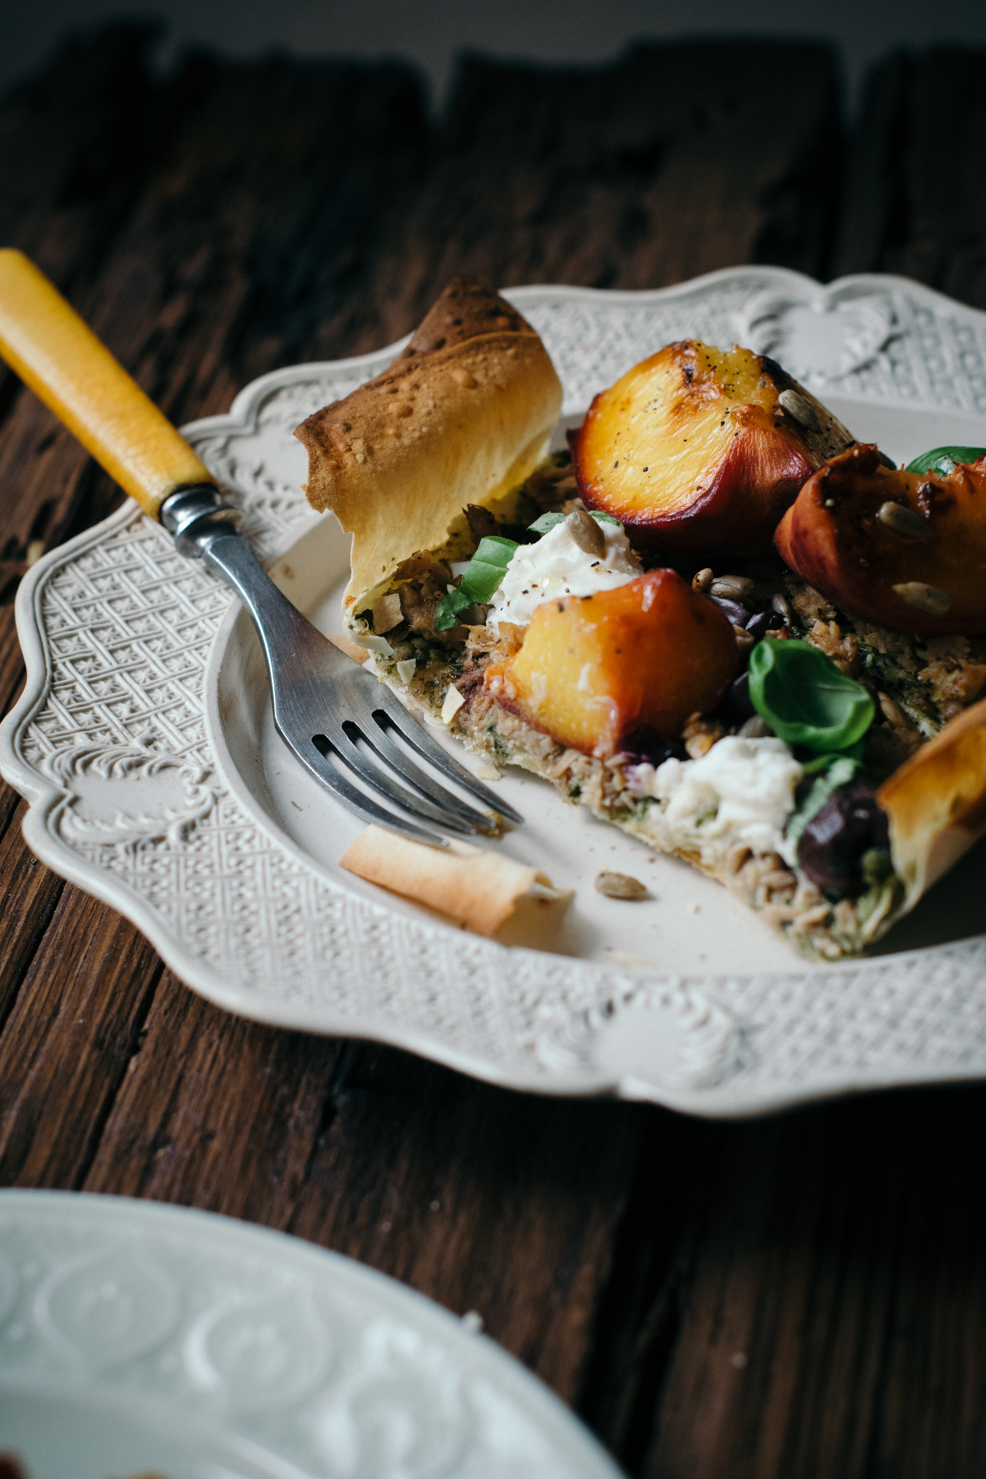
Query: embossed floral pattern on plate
pixel 304 1355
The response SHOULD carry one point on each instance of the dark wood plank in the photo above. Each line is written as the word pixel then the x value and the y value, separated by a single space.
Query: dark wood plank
pixel 811 1299
pixel 11 661
pixel 675 161
pixel 914 202
pixel 945 240
pixel 75 145
pixel 67 1040
pixel 216 1112
pixel 872 202
pixel 29 893
pixel 254 233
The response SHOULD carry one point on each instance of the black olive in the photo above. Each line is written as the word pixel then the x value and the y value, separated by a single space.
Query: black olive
pixel 833 843
pixel 645 744
pixel 758 625
pixel 736 707
pixel 738 614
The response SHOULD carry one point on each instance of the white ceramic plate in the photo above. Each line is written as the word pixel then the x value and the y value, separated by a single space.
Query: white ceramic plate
pixel 139 1338
pixel 145 745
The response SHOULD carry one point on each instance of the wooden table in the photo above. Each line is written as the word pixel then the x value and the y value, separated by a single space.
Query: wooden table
pixel 803 1295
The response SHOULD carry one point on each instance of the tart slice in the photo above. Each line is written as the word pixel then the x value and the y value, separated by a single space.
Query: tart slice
pixel 635 648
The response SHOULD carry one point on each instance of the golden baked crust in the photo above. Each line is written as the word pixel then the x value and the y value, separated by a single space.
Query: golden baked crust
pixel 936 803
pixel 462 416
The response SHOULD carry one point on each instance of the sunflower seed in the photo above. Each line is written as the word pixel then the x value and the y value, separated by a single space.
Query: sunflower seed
pixel 902 520
pixel 926 598
pixel 586 532
pixel 779 604
pixel 891 711
pixel 620 886
pixel 811 917
pixel 779 878
pixel 800 409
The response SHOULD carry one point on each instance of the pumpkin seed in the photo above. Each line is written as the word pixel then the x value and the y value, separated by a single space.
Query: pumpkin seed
pixel 800 409
pixel 902 520
pixel 586 532
pixel 926 598
pixel 735 587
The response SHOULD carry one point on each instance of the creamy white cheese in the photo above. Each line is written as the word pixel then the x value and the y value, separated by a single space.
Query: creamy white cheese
pixel 557 566
pixel 741 791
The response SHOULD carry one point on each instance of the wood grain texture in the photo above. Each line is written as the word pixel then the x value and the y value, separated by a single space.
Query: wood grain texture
pixel 673 162
pixel 67 1040
pixel 913 201
pixel 803 1296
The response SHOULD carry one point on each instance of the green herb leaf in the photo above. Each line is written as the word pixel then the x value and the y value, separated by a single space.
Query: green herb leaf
pixel 822 762
pixel 487 567
pixel 545 522
pixel 805 698
pixel 548 521
pixel 944 460
pixel 840 771
pixel 448 609
pixel 482 578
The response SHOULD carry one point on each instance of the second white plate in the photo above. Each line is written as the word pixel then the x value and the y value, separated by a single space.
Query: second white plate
pixel 138 1338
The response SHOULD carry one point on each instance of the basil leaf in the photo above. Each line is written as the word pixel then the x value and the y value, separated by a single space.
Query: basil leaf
pixel 545 522
pixel 944 460
pixel 548 521
pixel 487 567
pixel 839 773
pixel 805 698
pixel 822 762
pixel 482 577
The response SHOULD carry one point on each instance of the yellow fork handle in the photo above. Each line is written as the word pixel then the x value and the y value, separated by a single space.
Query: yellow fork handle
pixel 53 351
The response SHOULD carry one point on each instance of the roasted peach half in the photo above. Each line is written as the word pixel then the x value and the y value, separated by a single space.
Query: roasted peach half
pixel 622 670
pixel 703 448
pixel 901 549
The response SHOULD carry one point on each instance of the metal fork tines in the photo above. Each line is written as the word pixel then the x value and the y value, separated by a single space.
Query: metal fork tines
pixel 342 724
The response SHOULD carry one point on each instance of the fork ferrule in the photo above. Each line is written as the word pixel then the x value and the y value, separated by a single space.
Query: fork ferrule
pixel 195 515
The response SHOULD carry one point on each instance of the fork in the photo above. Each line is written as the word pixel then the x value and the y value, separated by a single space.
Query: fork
pixel 340 722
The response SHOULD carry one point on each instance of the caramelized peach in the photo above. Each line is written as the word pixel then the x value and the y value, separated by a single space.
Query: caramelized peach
pixel 619 670
pixel 701 448
pixel 901 549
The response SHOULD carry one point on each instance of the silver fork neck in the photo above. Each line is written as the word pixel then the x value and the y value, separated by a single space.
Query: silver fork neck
pixel 195 516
